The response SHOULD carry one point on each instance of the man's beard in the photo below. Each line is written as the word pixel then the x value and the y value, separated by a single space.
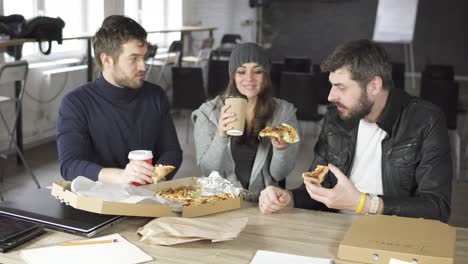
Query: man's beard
pixel 357 113
pixel 122 80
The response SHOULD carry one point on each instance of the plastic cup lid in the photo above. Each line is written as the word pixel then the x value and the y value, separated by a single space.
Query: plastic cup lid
pixel 140 155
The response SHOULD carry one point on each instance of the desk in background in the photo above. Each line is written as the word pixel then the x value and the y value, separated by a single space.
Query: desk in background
pixel 294 231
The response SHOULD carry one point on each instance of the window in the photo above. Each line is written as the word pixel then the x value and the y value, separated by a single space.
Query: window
pixel 157 14
pixel 23 7
pixel 85 16
pixel 69 11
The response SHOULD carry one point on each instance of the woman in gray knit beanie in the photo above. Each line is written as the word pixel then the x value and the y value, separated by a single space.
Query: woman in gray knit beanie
pixel 247 161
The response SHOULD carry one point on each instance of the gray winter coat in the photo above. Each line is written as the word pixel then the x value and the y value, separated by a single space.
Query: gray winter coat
pixel 214 152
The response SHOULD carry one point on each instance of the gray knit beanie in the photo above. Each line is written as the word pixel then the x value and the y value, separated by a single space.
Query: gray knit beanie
pixel 248 52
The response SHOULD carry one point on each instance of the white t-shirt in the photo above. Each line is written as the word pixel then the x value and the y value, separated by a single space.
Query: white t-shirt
pixel 366 173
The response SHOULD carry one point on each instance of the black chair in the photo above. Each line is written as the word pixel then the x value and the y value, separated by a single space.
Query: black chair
pixel 297 64
pixel 322 83
pixel 218 72
pixel 231 39
pixel 443 93
pixel 300 89
pixel 275 76
pixel 398 75
pixel 438 72
pixel 188 92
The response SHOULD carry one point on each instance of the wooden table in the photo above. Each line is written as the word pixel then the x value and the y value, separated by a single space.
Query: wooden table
pixel 294 231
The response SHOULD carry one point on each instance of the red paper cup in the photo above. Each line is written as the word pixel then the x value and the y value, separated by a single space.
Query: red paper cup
pixel 144 155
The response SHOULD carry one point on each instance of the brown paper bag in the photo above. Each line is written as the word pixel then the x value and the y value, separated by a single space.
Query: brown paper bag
pixel 177 230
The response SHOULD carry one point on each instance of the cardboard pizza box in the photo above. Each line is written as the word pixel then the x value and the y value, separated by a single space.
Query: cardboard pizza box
pixel 380 238
pixel 62 191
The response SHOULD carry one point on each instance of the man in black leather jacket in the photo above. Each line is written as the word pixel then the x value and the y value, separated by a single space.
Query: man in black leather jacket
pixel 413 152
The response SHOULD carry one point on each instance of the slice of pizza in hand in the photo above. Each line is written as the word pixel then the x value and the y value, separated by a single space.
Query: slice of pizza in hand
pixel 284 131
pixel 161 171
pixel 317 176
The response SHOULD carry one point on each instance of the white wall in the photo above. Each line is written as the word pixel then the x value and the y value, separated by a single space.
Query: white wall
pixel 44 91
pixel 229 16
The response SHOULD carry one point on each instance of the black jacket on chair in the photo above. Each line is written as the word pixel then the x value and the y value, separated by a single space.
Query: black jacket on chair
pixel 416 162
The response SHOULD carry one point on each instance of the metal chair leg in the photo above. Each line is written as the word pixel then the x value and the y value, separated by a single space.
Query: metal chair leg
pixel 188 130
pixel 20 153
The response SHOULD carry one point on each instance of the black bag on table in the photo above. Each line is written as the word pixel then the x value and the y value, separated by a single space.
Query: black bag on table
pixel 43 28
pixel 11 27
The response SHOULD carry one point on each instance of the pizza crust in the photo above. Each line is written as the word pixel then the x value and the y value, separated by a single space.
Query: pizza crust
pixel 161 171
pixel 317 176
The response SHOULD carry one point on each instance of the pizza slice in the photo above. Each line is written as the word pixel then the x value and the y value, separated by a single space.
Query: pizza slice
pixel 180 193
pixel 161 171
pixel 317 176
pixel 208 199
pixel 284 131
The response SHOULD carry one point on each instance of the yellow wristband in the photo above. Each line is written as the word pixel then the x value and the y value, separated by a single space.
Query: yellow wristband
pixel 361 203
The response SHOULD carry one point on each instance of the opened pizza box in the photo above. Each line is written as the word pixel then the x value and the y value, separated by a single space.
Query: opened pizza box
pixel 62 191
pixel 380 238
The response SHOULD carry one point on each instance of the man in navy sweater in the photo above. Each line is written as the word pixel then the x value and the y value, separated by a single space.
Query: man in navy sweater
pixel 101 121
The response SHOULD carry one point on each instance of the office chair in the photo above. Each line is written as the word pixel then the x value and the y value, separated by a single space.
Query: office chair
pixel 323 84
pixel 149 58
pixel 444 93
pixel 439 72
pixel 218 72
pixel 296 64
pixel 174 49
pixel 188 91
pixel 232 39
pixel 10 73
pixel 300 89
pixel 275 76
pixel 398 75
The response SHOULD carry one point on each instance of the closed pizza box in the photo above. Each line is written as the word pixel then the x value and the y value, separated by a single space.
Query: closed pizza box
pixel 380 238
pixel 62 191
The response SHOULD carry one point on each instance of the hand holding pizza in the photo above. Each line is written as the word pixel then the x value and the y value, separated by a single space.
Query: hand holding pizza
pixel 281 135
pixel 279 143
pixel 273 199
pixel 343 196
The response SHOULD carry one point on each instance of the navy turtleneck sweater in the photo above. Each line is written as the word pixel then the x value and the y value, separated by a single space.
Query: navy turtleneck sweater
pixel 98 124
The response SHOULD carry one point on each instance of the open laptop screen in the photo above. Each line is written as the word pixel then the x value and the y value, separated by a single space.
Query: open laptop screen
pixel 38 205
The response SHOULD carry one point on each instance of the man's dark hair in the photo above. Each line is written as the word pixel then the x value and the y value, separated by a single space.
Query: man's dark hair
pixel 364 59
pixel 115 31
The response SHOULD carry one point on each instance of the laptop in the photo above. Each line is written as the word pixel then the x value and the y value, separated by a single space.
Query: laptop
pixel 39 206
pixel 14 232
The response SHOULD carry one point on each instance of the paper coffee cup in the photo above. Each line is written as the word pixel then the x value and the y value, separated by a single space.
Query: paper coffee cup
pixel 238 105
pixel 144 155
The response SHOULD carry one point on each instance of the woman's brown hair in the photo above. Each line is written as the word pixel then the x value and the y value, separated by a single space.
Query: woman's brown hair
pixel 264 109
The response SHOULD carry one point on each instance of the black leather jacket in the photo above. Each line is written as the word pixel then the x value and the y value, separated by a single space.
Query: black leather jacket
pixel 416 162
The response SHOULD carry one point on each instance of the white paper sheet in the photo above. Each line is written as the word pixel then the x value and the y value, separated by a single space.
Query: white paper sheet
pixel 395 21
pixel 121 252
pixel 270 257
pixel 112 192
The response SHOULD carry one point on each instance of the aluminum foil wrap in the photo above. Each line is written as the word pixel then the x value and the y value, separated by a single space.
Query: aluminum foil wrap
pixel 215 184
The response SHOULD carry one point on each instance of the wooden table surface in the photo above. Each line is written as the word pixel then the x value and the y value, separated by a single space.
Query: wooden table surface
pixel 293 231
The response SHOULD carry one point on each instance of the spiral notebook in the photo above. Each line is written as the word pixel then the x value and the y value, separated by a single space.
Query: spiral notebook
pixel 102 252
